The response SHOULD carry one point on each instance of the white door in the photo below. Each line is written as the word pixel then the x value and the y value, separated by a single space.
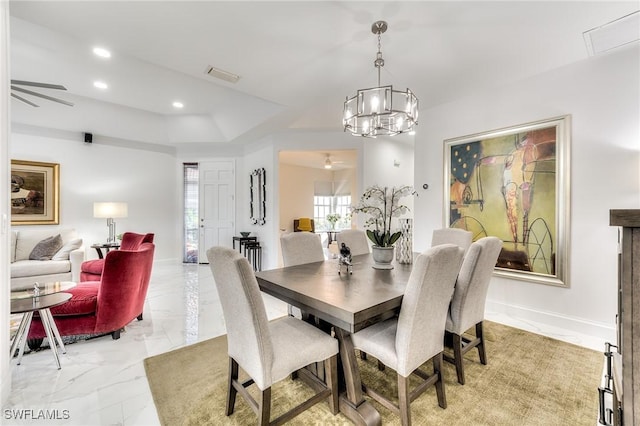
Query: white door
pixel 217 205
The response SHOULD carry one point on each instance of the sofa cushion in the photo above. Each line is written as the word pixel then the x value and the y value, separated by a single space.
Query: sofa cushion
pixel 30 268
pixel 94 266
pixel 83 300
pixel 28 238
pixel 63 253
pixel 46 248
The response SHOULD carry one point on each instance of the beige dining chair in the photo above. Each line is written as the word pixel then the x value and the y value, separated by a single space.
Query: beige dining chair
pixel 467 304
pixel 262 348
pixel 416 335
pixel 456 236
pixel 299 248
pixel 355 239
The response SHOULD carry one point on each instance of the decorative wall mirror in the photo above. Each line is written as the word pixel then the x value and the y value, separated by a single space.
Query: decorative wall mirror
pixel 258 197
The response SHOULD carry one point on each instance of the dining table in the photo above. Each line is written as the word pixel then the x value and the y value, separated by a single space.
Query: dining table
pixel 347 301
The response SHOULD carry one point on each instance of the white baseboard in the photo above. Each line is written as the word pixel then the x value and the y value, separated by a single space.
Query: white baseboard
pixel 579 331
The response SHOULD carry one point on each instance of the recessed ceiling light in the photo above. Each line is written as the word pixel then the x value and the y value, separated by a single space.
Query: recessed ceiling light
pixel 103 53
pixel 177 104
pixel 100 85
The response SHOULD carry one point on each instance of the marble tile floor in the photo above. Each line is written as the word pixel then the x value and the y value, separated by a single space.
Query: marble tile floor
pixel 102 381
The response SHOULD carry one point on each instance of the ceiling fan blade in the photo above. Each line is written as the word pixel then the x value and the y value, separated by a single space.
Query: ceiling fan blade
pixel 36 84
pixel 40 95
pixel 20 98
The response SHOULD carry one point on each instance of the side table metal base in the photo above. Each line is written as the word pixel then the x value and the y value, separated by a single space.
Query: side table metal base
pixel 53 335
pixel 41 305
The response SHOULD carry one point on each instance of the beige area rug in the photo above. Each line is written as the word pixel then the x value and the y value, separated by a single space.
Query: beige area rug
pixel 529 380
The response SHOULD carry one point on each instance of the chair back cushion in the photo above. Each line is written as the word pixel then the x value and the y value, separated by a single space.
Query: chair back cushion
pixel 121 286
pixel 456 236
pixel 146 276
pixel 249 340
pixel 304 224
pixel 420 332
pixel 132 240
pixel 301 247
pixel 355 239
pixel 467 305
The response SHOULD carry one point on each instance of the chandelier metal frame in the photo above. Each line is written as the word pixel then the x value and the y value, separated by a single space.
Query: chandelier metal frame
pixel 380 111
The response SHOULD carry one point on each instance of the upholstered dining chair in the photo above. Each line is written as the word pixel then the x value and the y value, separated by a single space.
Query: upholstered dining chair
pixel 262 348
pixel 355 239
pixel 416 335
pixel 456 236
pixel 299 248
pixel 467 304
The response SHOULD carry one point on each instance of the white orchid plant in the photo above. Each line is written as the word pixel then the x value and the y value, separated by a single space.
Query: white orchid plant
pixel 382 204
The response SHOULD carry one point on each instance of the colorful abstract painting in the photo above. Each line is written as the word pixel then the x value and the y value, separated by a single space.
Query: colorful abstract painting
pixel 509 184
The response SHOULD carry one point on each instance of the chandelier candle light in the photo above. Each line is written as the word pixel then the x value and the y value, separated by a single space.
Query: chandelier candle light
pixel 380 111
pixel 110 211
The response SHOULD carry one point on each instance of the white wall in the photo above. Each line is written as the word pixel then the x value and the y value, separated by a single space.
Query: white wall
pixel 388 162
pixel 297 189
pixel 145 180
pixel 262 155
pixel 602 96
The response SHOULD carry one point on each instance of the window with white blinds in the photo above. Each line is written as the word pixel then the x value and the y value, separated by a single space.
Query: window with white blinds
pixel 190 230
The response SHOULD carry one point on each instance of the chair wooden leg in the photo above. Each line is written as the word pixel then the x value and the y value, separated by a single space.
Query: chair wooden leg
pixel 331 378
pixel 139 317
pixel 264 407
pixel 457 355
pixel 115 335
pixel 404 400
pixel 437 369
pixel 231 391
pixel 363 356
pixel 481 351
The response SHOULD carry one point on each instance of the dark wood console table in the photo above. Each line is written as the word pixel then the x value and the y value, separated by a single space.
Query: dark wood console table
pixel 626 367
pixel 106 246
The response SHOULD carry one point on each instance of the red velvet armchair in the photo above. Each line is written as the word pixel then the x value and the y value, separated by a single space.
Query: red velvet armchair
pixel 105 306
pixel 91 270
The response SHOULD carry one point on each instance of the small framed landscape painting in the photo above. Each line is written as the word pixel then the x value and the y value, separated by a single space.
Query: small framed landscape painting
pixel 35 189
pixel 513 183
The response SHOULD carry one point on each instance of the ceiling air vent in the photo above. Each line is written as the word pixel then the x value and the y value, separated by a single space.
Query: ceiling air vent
pixel 613 34
pixel 221 74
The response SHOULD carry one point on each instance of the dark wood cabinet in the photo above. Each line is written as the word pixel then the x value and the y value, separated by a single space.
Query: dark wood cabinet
pixel 626 365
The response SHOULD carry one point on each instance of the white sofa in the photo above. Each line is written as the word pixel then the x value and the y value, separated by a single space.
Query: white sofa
pixel 63 266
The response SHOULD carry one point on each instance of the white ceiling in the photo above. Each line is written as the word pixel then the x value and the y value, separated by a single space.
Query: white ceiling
pixel 339 159
pixel 297 60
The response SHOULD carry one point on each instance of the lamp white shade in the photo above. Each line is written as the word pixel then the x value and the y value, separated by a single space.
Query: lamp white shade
pixel 110 210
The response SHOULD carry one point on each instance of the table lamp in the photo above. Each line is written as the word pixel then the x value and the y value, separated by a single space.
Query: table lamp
pixel 110 211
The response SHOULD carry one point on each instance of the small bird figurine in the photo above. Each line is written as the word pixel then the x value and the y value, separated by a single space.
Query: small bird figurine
pixel 345 252
pixel 344 259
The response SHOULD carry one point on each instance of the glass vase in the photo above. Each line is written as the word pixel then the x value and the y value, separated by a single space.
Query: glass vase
pixel 404 252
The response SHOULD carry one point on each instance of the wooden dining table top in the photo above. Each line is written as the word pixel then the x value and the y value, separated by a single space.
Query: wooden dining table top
pixel 349 301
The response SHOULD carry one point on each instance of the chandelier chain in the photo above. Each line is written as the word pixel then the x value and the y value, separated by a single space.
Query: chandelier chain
pixel 379 62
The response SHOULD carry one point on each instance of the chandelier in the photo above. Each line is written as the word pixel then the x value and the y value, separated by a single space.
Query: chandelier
pixel 380 111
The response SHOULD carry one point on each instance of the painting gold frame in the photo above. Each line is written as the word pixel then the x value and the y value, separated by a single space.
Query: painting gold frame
pixel 513 183
pixel 35 193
